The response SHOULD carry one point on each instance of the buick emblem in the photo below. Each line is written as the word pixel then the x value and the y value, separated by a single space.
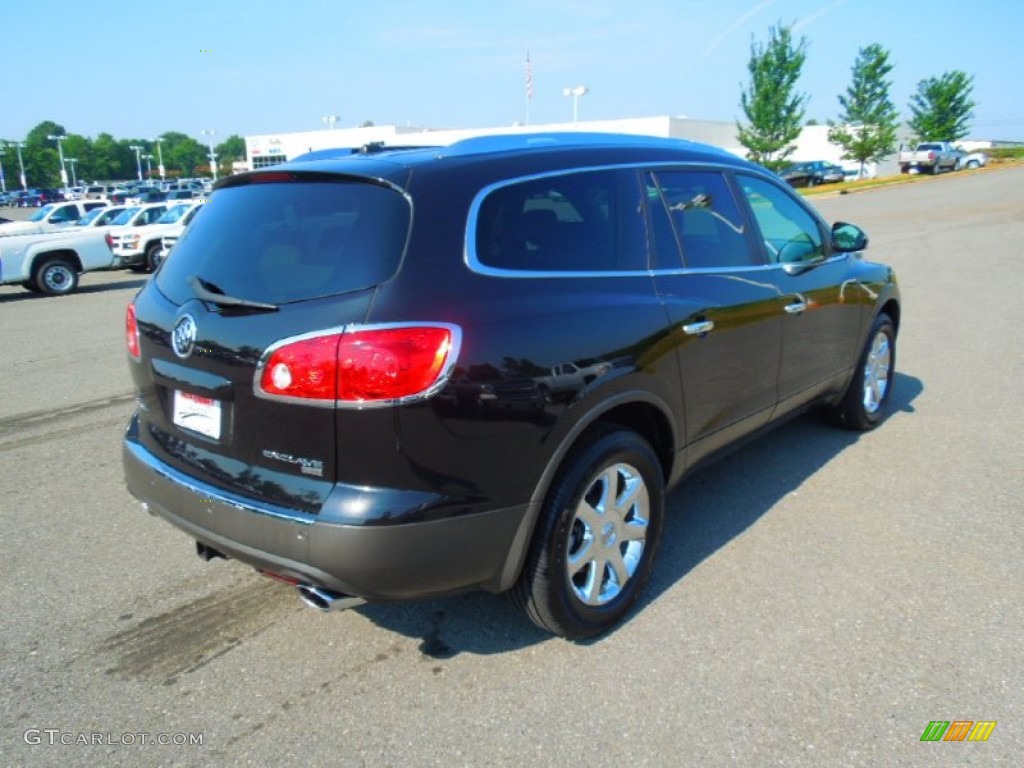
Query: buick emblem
pixel 184 336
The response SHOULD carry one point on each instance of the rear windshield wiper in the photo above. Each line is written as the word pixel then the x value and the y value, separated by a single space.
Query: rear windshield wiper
pixel 209 292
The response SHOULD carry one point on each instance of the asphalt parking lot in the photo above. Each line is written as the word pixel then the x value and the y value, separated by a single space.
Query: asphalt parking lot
pixel 819 597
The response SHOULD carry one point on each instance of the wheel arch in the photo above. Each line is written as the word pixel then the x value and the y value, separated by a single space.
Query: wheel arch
pixel 65 253
pixel 892 309
pixel 643 412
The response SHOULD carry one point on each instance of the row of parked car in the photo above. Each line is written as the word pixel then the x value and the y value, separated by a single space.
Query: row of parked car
pixel 49 251
pixel 931 157
pixel 131 193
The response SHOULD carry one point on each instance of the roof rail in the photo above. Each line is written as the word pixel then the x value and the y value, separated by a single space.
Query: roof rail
pixel 370 148
pixel 519 141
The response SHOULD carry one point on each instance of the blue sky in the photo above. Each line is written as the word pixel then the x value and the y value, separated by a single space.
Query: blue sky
pixel 265 66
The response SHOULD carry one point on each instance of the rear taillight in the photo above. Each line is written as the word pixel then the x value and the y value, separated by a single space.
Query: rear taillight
pixel 361 367
pixel 131 333
pixel 110 240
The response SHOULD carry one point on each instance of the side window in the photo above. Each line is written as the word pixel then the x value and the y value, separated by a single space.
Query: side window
pixel 589 221
pixel 790 233
pixel 704 218
pixel 68 213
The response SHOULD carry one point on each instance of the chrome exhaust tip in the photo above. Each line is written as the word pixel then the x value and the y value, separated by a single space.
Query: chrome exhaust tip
pixel 326 600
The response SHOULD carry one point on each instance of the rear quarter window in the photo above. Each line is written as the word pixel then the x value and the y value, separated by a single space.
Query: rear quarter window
pixel 581 221
pixel 280 242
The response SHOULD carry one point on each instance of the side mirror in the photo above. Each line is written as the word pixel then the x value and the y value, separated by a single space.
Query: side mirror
pixel 848 237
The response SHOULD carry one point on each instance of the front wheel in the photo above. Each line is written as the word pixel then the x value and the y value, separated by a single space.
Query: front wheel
pixel 153 257
pixel 596 536
pixel 57 277
pixel 866 401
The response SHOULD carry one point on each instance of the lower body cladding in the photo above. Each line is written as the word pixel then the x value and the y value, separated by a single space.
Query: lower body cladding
pixel 334 564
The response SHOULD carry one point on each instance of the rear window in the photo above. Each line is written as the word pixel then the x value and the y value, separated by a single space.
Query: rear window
pixel 279 242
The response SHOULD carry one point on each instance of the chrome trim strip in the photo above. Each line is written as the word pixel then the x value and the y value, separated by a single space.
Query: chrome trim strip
pixel 211 493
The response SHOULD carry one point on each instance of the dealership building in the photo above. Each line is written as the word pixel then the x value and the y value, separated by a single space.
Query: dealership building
pixel 270 149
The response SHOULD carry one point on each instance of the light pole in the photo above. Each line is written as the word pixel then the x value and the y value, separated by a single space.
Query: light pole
pixel 213 157
pixel 60 154
pixel 575 92
pixel 71 161
pixel 330 120
pixel 138 159
pixel 3 181
pixel 160 157
pixel 149 165
pixel 18 145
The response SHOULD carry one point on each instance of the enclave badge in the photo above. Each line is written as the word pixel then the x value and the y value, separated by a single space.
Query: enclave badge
pixel 184 336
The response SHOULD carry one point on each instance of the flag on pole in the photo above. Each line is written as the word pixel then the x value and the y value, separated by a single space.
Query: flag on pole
pixel 529 77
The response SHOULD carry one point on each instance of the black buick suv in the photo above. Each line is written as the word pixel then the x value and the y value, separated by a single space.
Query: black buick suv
pixel 404 373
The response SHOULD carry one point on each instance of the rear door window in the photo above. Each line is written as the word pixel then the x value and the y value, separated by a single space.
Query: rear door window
pixel 697 211
pixel 279 242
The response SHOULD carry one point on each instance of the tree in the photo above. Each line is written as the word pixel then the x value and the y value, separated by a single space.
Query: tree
pixel 229 150
pixel 775 112
pixel 867 130
pixel 183 154
pixel 942 107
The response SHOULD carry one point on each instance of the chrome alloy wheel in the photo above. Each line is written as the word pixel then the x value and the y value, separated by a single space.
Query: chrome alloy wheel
pixel 876 372
pixel 609 532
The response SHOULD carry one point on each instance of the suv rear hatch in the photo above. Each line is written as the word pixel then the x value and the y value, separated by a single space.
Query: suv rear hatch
pixel 278 261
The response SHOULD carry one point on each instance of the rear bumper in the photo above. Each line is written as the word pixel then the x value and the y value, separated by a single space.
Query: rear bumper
pixel 380 561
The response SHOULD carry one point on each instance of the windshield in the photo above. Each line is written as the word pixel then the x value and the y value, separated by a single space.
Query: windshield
pixel 290 241
pixel 42 213
pixel 90 217
pixel 125 216
pixel 108 215
pixel 172 214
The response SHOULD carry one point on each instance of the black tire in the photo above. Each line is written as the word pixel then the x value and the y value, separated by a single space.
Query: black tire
pixel 56 276
pixel 551 591
pixel 153 257
pixel 866 402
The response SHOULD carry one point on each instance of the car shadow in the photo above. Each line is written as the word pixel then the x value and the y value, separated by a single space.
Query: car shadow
pixel 707 511
pixel 21 294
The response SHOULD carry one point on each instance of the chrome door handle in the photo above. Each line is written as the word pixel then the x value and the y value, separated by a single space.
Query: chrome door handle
pixel 796 307
pixel 698 329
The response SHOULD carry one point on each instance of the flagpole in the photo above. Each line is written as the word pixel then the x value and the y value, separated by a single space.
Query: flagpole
pixel 529 85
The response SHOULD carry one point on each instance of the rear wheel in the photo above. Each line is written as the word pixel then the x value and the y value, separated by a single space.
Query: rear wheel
pixel 867 400
pixel 57 277
pixel 596 536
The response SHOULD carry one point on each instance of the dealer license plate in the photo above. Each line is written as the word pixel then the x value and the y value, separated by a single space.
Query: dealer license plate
pixel 200 414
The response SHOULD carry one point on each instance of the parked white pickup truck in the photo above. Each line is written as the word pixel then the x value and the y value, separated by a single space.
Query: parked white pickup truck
pixel 52 217
pixel 51 262
pixel 930 156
